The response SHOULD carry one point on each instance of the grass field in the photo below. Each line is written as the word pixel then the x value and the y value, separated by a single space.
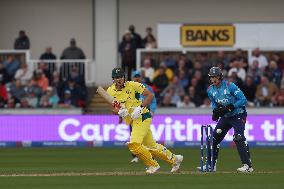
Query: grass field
pixel 60 168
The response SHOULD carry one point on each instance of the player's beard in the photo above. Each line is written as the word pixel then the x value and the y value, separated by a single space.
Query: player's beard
pixel 119 83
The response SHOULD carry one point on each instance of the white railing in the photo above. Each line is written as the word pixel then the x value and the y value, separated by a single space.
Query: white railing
pixel 85 67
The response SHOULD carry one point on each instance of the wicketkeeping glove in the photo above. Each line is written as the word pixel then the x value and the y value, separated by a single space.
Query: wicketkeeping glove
pixel 123 112
pixel 137 112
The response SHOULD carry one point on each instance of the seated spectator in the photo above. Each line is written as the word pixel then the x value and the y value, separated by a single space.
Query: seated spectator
pixel 249 90
pixel 24 74
pixel 176 88
pixel 169 61
pixel 49 99
pixel 262 60
pixel 40 79
pixel 17 90
pixel 240 57
pixel 169 73
pixel 170 99
pixel 278 98
pixel 148 69
pixel 76 76
pixel 160 81
pixel 198 89
pixel 32 99
pixel 22 42
pixel 255 72
pixel 78 94
pixel 185 103
pixel 206 103
pixel 235 79
pixel 4 74
pixel 67 101
pixel 265 91
pixel 194 97
pixel 221 59
pixel 236 67
pixel 11 65
pixel 34 86
pixel 273 73
pixel 183 79
pixel 3 93
pixel 24 103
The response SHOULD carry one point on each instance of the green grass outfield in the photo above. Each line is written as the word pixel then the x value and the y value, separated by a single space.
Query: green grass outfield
pixel 60 168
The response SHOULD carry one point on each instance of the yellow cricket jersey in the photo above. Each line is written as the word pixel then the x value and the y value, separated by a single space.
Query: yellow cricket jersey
pixel 128 96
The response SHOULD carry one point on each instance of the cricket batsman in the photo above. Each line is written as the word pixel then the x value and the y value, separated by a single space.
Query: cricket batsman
pixel 135 113
pixel 229 110
pixel 137 77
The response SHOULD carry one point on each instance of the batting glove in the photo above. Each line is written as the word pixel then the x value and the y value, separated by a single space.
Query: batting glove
pixel 137 112
pixel 123 112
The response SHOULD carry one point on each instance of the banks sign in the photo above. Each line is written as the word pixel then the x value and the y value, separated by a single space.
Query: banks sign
pixel 207 35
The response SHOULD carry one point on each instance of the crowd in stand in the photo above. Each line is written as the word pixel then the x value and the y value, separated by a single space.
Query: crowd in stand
pixel 181 81
pixel 46 86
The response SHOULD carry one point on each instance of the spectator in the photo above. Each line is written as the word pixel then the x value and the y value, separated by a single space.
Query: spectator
pixel 206 103
pixel 222 59
pixel 265 91
pixel 160 81
pixel 183 79
pixel 136 38
pixel 48 55
pixel 150 42
pixel 262 60
pixel 32 99
pixel 240 57
pixel 73 52
pixel 4 74
pixel 169 61
pixel 3 93
pixel 236 67
pixel 235 79
pixel 25 103
pixel 149 33
pixel 67 101
pixel 185 103
pixel 11 65
pixel 148 69
pixel 278 98
pixel 194 96
pixel 255 72
pixel 50 99
pixel 17 90
pixel 175 88
pixel 273 73
pixel 169 73
pixel 170 99
pixel 40 79
pixel 22 42
pixel 249 90
pixel 23 74
pixel 127 51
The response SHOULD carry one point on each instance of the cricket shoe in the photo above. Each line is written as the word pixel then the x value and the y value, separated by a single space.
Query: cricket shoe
pixel 204 168
pixel 245 169
pixel 176 165
pixel 152 169
pixel 134 160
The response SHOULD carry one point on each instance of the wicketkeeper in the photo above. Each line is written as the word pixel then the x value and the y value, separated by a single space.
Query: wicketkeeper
pixel 135 112
pixel 229 110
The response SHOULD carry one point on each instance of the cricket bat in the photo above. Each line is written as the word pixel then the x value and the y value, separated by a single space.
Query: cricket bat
pixel 109 99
